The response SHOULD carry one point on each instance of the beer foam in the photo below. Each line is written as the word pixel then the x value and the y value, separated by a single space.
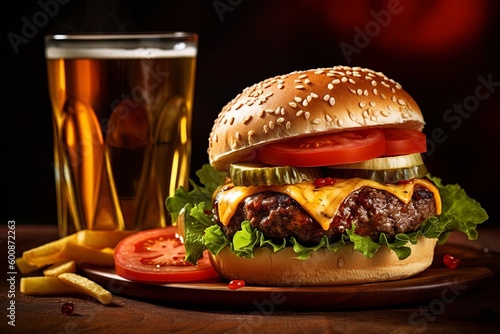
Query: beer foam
pixel 54 52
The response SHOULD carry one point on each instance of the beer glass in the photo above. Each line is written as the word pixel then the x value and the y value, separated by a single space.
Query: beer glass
pixel 122 113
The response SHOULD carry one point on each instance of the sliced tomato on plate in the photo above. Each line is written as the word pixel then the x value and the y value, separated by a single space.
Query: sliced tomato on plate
pixel 323 150
pixel 157 255
pixel 401 142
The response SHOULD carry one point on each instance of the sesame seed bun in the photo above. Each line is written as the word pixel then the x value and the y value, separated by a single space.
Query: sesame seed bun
pixel 323 268
pixel 305 103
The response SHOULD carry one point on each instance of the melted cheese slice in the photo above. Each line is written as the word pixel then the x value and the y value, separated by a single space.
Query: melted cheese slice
pixel 321 203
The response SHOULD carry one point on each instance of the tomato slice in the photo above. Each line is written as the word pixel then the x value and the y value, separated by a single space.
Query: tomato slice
pixel 157 255
pixel 323 150
pixel 400 142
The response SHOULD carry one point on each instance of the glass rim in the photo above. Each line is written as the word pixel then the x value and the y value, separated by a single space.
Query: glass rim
pixel 96 36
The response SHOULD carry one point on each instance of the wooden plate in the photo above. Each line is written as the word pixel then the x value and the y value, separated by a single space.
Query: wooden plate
pixel 437 282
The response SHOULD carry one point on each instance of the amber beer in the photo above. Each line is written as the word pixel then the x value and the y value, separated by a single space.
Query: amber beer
pixel 122 112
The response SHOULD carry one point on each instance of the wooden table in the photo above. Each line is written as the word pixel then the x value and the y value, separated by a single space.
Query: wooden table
pixel 477 311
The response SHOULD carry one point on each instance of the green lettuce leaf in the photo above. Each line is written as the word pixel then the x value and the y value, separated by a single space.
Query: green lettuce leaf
pixel 459 213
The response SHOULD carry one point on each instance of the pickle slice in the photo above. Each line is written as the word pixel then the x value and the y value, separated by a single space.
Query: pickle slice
pixel 256 174
pixel 395 162
pixel 380 176
pixel 382 170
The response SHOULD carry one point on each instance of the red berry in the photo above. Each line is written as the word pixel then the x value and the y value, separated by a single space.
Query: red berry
pixel 451 261
pixel 67 308
pixel 236 284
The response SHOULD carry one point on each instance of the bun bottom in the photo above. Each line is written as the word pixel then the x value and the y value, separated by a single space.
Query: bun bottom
pixel 323 268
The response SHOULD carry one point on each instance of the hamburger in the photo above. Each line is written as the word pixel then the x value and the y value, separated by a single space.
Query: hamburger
pixel 317 178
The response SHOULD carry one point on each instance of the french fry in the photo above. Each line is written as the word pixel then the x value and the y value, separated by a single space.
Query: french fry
pixel 86 286
pixel 101 238
pixel 48 253
pixel 45 286
pixel 60 268
pixel 25 267
pixel 84 254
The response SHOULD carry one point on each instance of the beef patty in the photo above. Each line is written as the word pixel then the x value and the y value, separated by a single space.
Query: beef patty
pixel 373 212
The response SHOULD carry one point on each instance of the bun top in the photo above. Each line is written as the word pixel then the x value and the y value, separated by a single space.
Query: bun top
pixel 305 103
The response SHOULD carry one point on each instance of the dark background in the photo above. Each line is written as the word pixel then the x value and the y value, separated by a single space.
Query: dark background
pixel 441 51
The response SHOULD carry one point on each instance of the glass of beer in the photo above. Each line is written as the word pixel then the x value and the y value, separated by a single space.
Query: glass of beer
pixel 122 113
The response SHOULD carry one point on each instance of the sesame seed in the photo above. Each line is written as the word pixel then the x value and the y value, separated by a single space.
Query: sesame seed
pixel 385 113
pixel 331 101
pixel 271 125
pixel 292 104
pixel 373 83
pixel 352 81
pixel 336 81
pixel 307 114
pixel 303 76
pixel 261 113
pixel 297 81
pixel 352 91
pixel 237 135
pixel 314 95
pixel 307 82
pixel 365 92
pixel 330 86
pixel 398 86
pixel 299 87
pixel 298 113
pixel 239 106
pixel 372 104
pixel 269 94
pixel 382 95
pixel 366 114
pixel 282 111
pixel 269 111
pixel 375 91
pixel 385 84
pixel 316 121
pixel 401 102
pixel 288 125
pixel 231 121
pixel 340 122
pixel 326 97
pixel 250 134
pixel 309 98
pixel 280 120
pixel 319 72
pixel 277 111
pixel 344 79
pixel 280 86
pixel 247 119
pixel 362 104
pixel 328 118
pixel 394 99
pixel 298 99
pixel 305 103
pixel 359 92
pixel 265 128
